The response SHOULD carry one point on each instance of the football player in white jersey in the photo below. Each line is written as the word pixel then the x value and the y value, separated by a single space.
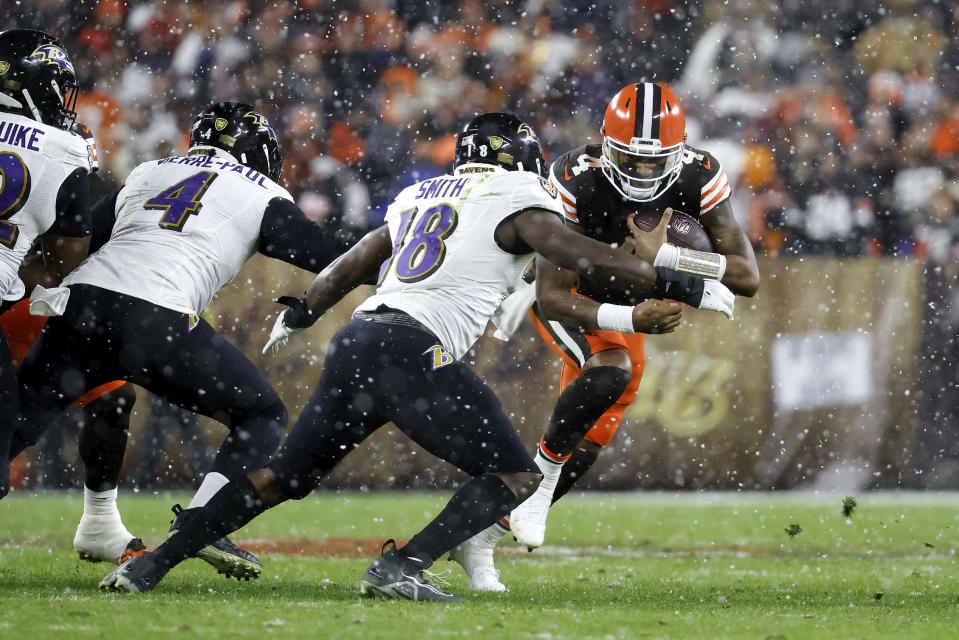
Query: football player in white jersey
pixel 451 251
pixel 45 191
pixel 184 227
pixel 46 158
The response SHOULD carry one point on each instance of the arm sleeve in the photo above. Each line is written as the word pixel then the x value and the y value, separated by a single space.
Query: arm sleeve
pixel 73 206
pixel 103 214
pixel 288 235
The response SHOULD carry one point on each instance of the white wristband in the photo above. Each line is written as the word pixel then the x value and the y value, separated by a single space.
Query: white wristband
pixel 667 256
pixel 702 264
pixel 615 317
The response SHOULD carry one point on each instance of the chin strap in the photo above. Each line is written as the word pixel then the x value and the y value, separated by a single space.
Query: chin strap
pixel 8 101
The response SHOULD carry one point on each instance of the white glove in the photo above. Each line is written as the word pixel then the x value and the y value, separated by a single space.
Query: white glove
pixel 717 297
pixel 281 333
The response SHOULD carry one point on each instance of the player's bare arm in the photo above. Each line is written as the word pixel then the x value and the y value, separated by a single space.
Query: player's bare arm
pixel 557 302
pixel 58 256
pixel 357 266
pixel 545 233
pixel 742 272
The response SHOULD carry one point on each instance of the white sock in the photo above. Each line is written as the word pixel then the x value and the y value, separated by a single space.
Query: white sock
pixel 100 504
pixel 489 537
pixel 551 471
pixel 212 483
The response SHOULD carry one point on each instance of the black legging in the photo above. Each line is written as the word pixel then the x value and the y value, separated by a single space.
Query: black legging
pixel 378 372
pixel 106 336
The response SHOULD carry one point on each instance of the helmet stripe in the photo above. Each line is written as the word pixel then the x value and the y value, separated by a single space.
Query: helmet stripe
pixel 656 113
pixel 647 130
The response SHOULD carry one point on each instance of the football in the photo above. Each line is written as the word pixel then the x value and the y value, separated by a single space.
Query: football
pixel 684 230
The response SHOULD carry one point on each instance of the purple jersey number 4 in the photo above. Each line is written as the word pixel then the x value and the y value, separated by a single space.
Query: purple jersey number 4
pixel 181 200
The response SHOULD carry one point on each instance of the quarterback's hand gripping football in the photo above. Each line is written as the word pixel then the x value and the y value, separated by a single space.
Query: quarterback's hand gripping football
pixel 646 244
pixel 717 297
pixel 290 321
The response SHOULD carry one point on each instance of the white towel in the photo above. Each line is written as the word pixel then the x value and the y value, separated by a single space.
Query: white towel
pixel 512 311
pixel 49 302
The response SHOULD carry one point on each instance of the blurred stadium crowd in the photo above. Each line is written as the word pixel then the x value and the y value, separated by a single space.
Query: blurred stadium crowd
pixel 838 120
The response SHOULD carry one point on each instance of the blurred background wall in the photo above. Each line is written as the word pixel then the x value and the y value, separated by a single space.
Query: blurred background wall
pixel 838 126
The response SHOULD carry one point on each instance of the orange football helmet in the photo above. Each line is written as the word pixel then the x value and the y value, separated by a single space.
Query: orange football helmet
pixel 644 131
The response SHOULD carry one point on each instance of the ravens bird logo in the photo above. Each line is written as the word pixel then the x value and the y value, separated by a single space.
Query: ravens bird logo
pixel 52 54
pixel 527 133
pixel 260 121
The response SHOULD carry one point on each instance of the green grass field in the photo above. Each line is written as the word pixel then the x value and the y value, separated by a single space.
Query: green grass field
pixel 617 566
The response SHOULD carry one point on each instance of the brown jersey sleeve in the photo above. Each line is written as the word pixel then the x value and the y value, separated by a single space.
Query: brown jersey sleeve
pixel 715 187
pixel 569 173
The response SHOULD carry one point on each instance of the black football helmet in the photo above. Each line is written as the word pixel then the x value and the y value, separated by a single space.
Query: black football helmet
pixel 37 79
pixel 242 132
pixel 500 139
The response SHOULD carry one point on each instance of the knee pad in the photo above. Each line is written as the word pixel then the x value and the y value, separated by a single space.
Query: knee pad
pixel 608 382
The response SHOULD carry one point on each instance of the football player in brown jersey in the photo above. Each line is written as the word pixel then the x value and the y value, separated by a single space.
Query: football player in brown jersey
pixel 643 163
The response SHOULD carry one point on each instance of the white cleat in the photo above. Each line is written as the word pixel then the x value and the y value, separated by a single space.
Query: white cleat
pixel 528 520
pixel 105 539
pixel 477 561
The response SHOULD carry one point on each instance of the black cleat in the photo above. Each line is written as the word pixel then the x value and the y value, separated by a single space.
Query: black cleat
pixel 137 575
pixel 222 555
pixel 398 577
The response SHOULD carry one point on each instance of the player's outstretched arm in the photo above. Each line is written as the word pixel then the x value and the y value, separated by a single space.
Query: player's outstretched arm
pixel 556 301
pixel 359 265
pixel 288 235
pixel 545 233
pixel 619 269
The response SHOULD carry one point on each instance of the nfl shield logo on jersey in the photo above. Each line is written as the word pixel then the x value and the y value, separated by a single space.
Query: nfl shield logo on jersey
pixel 4 67
pixel 220 124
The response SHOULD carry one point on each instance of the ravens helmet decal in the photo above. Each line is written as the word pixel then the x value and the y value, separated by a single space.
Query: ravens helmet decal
pixel 260 121
pixel 52 54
